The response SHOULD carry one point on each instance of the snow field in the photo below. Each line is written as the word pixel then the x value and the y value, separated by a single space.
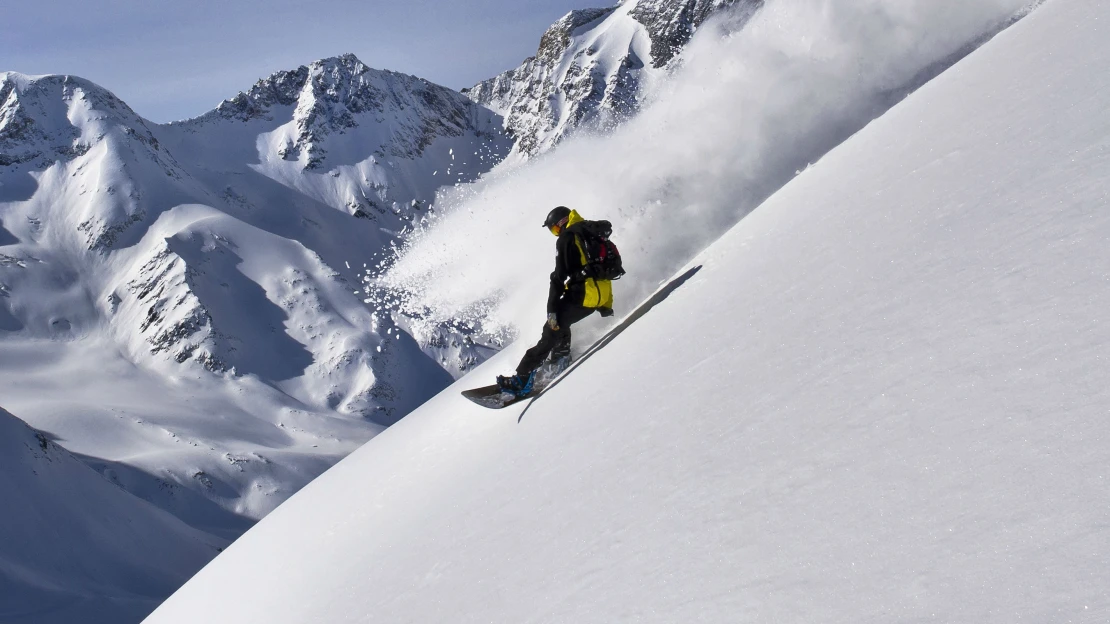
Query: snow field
pixel 880 398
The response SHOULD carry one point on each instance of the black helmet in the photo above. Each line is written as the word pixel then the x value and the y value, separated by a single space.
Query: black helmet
pixel 556 216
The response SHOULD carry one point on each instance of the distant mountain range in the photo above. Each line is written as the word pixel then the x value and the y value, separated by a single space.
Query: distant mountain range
pixel 178 303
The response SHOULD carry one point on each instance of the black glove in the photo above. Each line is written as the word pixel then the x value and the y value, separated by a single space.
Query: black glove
pixel 605 311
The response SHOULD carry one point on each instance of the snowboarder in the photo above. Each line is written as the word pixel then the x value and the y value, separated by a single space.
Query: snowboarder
pixel 573 295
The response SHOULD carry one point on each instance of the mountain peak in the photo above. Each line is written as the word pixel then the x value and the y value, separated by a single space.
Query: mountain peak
pixel 44 118
pixel 590 65
pixel 336 94
pixel 285 88
pixel 556 40
pixel 348 63
pixel 671 25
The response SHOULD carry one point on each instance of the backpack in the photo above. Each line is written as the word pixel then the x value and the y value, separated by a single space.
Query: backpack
pixel 603 260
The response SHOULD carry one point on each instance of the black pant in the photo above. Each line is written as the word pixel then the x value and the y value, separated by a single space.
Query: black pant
pixel 554 341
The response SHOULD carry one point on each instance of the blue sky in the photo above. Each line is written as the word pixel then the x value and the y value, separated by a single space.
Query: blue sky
pixel 178 59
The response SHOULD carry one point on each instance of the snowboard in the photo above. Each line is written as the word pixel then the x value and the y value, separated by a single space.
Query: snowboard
pixel 494 398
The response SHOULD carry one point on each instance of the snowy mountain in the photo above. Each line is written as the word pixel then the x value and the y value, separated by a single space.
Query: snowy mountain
pixel 879 397
pixel 594 66
pixel 374 143
pixel 64 555
pixel 178 303
pixel 96 199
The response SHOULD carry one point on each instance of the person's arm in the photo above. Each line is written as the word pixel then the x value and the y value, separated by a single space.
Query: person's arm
pixel 559 275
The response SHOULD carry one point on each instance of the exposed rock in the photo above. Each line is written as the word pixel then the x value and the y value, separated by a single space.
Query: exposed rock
pixel 588 73
pixel 670 24
pixel 337 95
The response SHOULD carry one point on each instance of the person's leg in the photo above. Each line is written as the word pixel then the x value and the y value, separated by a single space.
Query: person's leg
pixel 568 314
pixel 534 357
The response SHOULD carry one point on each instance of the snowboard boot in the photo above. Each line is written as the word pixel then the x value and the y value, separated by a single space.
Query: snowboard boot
pixel 518 384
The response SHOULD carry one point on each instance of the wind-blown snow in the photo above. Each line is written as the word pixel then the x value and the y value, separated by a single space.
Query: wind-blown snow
pixel 747 112
pixel 880 397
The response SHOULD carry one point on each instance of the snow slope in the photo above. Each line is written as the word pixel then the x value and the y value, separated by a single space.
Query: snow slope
pixel 63 557
pixel 880 397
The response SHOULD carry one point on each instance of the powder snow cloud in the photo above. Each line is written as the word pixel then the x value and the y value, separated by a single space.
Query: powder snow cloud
pixel 744 112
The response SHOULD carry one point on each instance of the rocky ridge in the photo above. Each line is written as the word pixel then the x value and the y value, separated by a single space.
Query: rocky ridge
pixel 592 66
pixel 335 96
pixel 670 24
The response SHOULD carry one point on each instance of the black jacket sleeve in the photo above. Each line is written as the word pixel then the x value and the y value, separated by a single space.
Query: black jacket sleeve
pixel 561 273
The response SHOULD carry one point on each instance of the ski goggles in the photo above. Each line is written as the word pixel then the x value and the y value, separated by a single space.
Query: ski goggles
pixel 556 228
